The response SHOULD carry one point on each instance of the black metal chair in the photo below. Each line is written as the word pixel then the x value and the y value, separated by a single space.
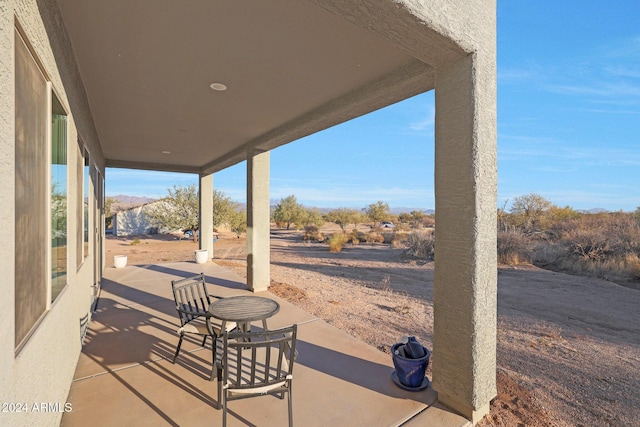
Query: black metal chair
pixel 253 364
pixel 192 303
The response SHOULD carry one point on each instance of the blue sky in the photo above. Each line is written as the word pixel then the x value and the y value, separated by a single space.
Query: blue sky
pixel 568 125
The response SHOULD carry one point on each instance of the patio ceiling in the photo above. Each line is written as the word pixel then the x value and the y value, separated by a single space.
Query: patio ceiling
pixel 291 68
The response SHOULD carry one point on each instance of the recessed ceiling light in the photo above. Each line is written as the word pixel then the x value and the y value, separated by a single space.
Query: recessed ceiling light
pixel 166 152
pixel 218 86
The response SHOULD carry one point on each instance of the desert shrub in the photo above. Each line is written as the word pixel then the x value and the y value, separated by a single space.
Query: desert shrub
pixel 311 232
pixel 388 236
pixel 420 245
pixel 598 238
pixel 399 239
pixel 402 226
pixel 513 248
pixel 135 242
pixel 605 245
pixel 632 266
pixel 374 237
pixel 428 221
pixel 337 241
pixel 354 237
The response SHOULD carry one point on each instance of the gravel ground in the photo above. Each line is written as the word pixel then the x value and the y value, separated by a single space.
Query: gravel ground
pixel 568 347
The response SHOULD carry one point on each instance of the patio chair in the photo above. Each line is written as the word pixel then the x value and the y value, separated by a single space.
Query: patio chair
pixel 192 304
pixel 255 364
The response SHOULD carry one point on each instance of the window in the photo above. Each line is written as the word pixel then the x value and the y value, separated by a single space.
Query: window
pixel 31 276
pixel 40 193
pixel 58 197
pixel 85 203
pixel 82 203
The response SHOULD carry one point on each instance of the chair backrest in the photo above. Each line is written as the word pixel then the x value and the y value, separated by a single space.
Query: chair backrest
pixel 253 360
pixel 190 294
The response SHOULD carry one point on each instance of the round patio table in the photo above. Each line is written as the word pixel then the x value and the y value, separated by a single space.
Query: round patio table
pixel 243 310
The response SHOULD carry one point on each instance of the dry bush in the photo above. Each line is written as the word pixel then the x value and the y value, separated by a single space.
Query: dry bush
pixel 399 239
pixel 337 241
pixel 374 237
pixel 513 248
pixel 632 266
pixel 311 232
pixel 428 222
pixel 598 245
pixel 420 245
pixel 388 236
pixel 354 237
pixel 402 226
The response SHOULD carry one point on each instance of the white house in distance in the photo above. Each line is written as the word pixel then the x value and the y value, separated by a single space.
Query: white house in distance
pixel 135 221
pixel 197 87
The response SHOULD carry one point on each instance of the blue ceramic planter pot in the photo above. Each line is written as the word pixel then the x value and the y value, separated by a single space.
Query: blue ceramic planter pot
pixel 410 372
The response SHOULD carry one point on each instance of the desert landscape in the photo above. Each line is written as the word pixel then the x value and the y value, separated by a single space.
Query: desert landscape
pixel 568 346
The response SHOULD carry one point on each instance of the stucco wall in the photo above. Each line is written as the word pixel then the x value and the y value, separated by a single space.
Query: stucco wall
pixel 7 219
pixel 133 221
pixel 43 369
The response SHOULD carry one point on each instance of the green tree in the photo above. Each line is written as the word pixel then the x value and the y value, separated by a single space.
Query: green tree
pixel 288 211
pixel 108 210
pixel 344 217
pixel 179 210
pixel 237 221
pixel 223 209
pixel 529 212
pixel 377 212
pixel 311 217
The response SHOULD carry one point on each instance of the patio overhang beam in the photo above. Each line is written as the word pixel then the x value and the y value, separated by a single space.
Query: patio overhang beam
pixel 414 78
pixel 161 167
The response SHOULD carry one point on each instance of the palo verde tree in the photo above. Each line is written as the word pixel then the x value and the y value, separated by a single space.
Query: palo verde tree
pixel 179 210
pixel 310 216
pixel 237 221
pixel 528 212
pixel 224 209
pixel 377 212
pixel 288 211
pixel 344 217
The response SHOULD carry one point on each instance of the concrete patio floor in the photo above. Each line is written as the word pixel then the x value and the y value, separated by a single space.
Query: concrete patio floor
pixel 125 377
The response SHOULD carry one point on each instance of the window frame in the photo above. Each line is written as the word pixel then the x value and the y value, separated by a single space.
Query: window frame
pixel 33 298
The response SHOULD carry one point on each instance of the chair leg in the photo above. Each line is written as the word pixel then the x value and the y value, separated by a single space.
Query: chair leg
pixel 175 356
pixel 224 411
pixel 219 390
pixel 213 358
pixel 290 406
pixel 204 340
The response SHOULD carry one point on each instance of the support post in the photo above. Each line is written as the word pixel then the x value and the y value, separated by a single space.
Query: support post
pixel 465 282
pixel 258 221
pixel 205 194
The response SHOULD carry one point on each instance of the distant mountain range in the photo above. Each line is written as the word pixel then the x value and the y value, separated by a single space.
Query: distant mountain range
pixel 593 211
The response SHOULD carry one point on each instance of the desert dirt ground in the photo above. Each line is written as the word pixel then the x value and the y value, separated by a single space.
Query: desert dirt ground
pixel 568 349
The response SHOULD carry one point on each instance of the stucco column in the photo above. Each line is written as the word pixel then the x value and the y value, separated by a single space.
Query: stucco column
pixel 206 213
pixel 465 288
pixel 258 221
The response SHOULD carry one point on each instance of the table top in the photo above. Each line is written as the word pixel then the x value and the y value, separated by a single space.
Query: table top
pixel 243 308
